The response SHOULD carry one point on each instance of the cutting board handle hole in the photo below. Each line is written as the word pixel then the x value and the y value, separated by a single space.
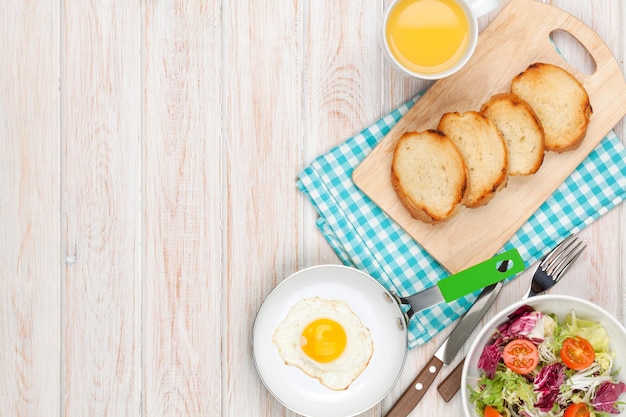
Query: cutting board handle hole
pixel 573 52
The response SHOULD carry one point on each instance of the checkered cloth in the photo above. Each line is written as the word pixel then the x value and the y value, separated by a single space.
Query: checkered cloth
pixel 364 237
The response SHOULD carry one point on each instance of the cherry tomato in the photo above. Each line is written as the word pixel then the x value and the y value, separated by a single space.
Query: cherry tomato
pixel 521 356
pixel 576 410
pixel 489 411
pixel 577 353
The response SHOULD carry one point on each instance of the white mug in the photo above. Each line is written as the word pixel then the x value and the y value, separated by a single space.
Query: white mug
pixel 441 34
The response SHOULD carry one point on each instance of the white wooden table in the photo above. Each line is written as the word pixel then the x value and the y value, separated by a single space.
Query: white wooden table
pixel 148 157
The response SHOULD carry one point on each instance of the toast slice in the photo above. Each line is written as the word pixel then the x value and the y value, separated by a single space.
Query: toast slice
pixel 559 100
pixel 482 146
pixel 521 129
pixel 429 175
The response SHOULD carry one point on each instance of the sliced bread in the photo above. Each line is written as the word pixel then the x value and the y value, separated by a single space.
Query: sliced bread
pixel 521 129
pixel 482 146
pixel 429 176
pixel 559 100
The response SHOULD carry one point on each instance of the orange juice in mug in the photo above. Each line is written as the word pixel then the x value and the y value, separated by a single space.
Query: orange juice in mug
pixel 433 38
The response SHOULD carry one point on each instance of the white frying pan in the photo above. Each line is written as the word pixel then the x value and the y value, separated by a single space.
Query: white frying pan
pixel 378 311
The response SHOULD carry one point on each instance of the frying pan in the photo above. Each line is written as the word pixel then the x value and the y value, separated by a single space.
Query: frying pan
pixel 379 310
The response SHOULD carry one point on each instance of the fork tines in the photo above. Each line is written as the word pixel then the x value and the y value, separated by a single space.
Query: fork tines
pixel 562 256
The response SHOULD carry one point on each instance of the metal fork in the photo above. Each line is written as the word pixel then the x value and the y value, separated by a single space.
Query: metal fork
pixel 549 271
pixel 553 265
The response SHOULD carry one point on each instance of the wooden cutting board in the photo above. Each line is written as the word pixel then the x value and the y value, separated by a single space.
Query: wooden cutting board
pixel 518 37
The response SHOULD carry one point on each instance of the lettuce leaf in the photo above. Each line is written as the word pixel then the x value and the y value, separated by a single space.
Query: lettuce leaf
pixel 594 332
pixel 505 390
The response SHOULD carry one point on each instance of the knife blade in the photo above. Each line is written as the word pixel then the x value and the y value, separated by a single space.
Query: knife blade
pixel 445 353
pixel 466 282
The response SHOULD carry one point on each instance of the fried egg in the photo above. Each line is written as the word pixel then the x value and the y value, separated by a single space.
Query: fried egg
pixel 326 340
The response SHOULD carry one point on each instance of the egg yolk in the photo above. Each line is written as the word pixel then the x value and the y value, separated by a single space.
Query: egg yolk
pixel 323 340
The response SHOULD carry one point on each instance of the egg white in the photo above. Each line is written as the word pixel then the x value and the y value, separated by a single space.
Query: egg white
pixel 341 372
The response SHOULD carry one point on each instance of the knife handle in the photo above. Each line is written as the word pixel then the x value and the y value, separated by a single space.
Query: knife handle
pixel 452 383
pixel 416 391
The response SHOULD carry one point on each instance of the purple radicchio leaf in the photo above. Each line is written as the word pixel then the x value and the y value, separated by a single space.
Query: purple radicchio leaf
pixel 520 323
pixel 488 360
pixel 547 384
pixel 606 396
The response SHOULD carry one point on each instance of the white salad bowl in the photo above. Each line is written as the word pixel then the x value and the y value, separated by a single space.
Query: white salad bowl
pixel 561 305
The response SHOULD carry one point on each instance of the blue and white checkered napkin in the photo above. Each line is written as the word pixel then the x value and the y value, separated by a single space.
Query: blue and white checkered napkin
pixel 364 237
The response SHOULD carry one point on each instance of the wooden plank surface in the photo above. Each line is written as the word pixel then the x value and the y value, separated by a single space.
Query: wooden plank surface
pixel 263 93
pixel 30 254
pixel 182 197
pixel 101 208
pixel 148 157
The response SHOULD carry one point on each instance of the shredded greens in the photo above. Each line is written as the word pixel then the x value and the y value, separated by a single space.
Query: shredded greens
pixel 551 387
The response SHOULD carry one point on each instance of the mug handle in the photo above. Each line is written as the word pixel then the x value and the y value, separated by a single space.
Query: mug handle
pixel 482 7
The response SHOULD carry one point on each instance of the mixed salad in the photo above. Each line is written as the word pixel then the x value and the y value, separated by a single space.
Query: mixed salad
pixel 535 366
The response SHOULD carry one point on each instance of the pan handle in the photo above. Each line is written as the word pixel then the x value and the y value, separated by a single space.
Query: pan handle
pixel 468 281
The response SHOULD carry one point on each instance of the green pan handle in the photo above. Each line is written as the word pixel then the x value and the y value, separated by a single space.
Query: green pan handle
pixel 481 275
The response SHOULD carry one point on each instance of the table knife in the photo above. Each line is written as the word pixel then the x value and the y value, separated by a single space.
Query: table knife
pixel 541 281
pixel 446 352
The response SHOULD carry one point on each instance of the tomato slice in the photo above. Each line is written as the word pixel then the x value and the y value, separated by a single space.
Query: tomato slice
pixel 575 410
pixel 489 411
pixel 521 356
pixel 577 353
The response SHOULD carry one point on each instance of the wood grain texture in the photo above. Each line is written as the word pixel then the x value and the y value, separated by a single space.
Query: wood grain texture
pixel 29 210
pixel 182 178
pixel 342 88
pixel 101 208
pixel 262 150
pixel 148 154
